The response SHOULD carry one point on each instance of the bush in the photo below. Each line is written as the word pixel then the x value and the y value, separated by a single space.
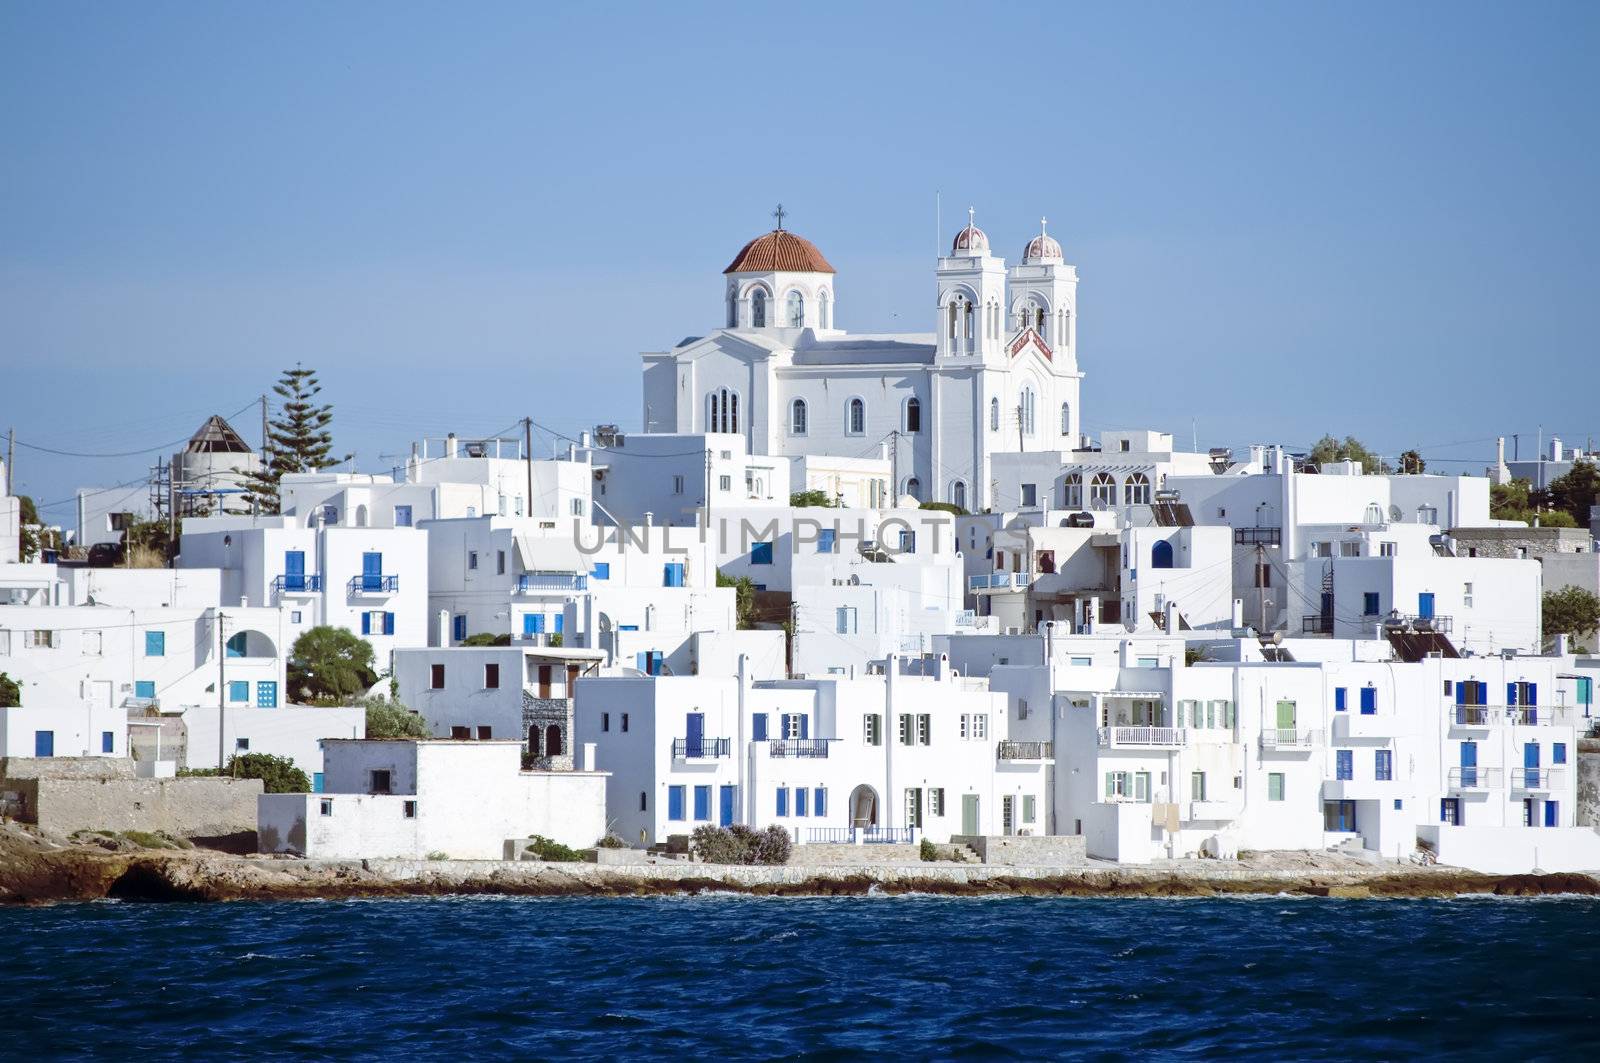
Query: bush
pixel 545 849
pixel 811 499
pixel 438 854
pixel 390 719
pixel 484 638
pixel 278 775
pixel 10 692
pixel 739 844
pixel 610 841
pixel 928 851
pixel 944 507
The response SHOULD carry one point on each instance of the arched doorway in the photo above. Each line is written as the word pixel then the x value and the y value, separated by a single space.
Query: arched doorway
pixel 863 806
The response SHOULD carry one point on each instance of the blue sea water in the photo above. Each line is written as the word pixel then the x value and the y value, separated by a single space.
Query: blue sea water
pixel 700 977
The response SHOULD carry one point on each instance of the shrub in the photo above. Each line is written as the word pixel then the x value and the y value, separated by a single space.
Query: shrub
pixel 545 849
pixel 330 664
pixel 438 854
pixel 278 775
pixel 10 692
pixel 739 844
pixel 390 719
pixel 484 638
pixel 944 507
pixel 610 841
pixel 153 840
pixel 928 851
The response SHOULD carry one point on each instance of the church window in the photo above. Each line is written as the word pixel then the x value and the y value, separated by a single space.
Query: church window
pixel 1072 492
pixel 733 308
pixel 1102 491
pixel 722 411
pixel 913 415
pixel 958 494
pixel 1038 320
pixel 797 417
pixel 951 327
pixel 1066 327
pixel 856 417
pixel 968 308
pixel 1136 492
pixel 1066 419
pixel 914 489
pixel 796 310
pixel 994 415
pixel 823 306
pixel 758 308
pixel 1025 411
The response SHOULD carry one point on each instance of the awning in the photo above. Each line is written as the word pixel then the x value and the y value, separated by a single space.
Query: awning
pixel 549 553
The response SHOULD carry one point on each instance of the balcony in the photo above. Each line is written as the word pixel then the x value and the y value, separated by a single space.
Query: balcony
pixel 1289 740
pixel 1483 717
pixel 1358 726
pixel 297 584
pixel 1026 751
pixel 861 835
pixel 1440 624
pixel 1536 780
pixel 1143 737
pixel 999 581
pixel 1316 625
pixel 701 748
pixel 1474 780
pixel 531 582
pixel 1258 536
pixel 373 584
pixel 814 748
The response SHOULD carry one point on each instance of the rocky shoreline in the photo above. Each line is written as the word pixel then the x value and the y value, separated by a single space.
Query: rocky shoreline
pixel 35 871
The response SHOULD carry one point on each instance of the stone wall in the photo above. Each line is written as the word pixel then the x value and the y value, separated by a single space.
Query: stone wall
pixel 830 855
pixel 1520 542
pixel 1018 850
pixel 66 768
pixel 1588 810
pixel 199 807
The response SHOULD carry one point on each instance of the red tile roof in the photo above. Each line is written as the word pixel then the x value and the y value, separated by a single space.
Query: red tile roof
pixel 779 250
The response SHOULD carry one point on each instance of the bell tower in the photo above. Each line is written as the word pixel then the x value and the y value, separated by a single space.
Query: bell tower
pixel 971 306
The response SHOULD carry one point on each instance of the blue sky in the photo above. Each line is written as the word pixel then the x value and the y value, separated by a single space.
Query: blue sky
pixel 1287 219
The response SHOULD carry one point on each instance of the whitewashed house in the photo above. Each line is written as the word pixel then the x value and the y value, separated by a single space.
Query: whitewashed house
pixel 74 730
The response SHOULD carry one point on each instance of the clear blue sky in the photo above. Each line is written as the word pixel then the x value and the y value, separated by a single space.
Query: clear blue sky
pixel 1288 219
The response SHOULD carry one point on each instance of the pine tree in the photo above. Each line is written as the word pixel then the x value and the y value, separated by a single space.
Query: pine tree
pixel 298 440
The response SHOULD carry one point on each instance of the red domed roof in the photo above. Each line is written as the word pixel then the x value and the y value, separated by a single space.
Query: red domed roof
pixel 779 250
pixel 971 238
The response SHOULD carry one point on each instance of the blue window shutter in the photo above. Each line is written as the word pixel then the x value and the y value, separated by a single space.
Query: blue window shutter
pixel 560 619
pixel 538 622
pixel 800 795
pixel 641 661
pixel 1369 701
pixel 388 623
pixel 1533 693
pixel 601 570
pixel 144 688
pixel 107 741
pixel 366 623
pixel 805 727
pixel 675 802
pixel 1511 693
pixel 783 801
pixel 527 623
pixel 1339 703
pixel 1558 753
pixel 1551 813
pixel 819 803
pixel 758 727
pixel 702 802
pixel 316 782
pixel 826 540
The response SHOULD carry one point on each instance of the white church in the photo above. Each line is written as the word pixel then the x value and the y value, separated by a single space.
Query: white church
pixel 999 373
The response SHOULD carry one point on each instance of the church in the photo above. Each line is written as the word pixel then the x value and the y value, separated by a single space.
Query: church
pixel 998 373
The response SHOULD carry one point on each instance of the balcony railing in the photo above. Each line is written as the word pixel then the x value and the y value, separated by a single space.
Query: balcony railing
pixel 1439 624
pixel 1316 625
pixel 888 835
pixel 298 584
pixel 1474 778
pixel 831 835
pixel 998 581
pixel 1535 778
pixel 1505 715
pixel 799 747
pixel 551 581
pixel 1258 536
pixel 1288 738
pixel 373 584
pixel 1112 737
pixel 700 748
pixel 1026 751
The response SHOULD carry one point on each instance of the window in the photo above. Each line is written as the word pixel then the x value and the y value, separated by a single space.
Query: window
pixel 1466 595
pixel 325 807
pixel 758 310
pixel 500 563
pixel 675 808
pixel 873 726
pixel 924 729
pixel 1373 514
pixel 914 489
pixel 1025 411
pixel 108 741
pixel 402 516
pixel 605 721
pixel 761 553
pixel 1264 574
pixel 1450 811
pixel 1030 496
pixel 1197 786
pixel 783 801
pixel 155 643
pixel 472 560
pixel 797 417
pixel 828 541
pixel 822 309
pixel 725 483
pixel 794 726
pixel 906 736
pixel 382 781
pixel 491 677
pixel 672 574
pixel 1161 554
pixel 936 801
pixel 819 801
pixel 913 415
pixel 1102 491
pixel 800 795
pixel 845 620
pixel 408 809
pixel 702 802
pixel 459 627
pixel 1349 549
pixel 1387 550
pixel 1275 786
pixel 577 507
pixel 144 688
pixel 1558 753
pixel 994 415
pixel 1066 419
pixel 1072 492
pixel 1369 701
pixel 294 616
pixel 624 723
pixel 1341 700
pixel 795 309
pixel 1383 765
pixel 1321 549
pixel 1136 492
pixel 855 420
pixel 644 801
pixel 958 494
pixel 1029 808
pixel 914 806
pixel 436 677
pixel 239 690
pixel 980 726
pixel 722 411
pixel 1369 603
pixel 600 570
pixel 758 727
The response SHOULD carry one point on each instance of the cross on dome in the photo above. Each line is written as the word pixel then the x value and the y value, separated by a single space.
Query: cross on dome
pixel 779 213
pixel 1044 247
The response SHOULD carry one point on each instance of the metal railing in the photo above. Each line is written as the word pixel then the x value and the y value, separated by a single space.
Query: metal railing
pixel 1439 624
pixel 888 835
pixel 1026 750
pixel 831 835
pixel 1289 738
pixel 1143 736
pixel 297 585
pixel 1535 778
pixel 1505 715
pixel 1258 536
pixel 373 584
pixel 798 747
pixel 551 581
pixel 998 581
pixel 700 748
pixel 1316 625
pixel 1474 778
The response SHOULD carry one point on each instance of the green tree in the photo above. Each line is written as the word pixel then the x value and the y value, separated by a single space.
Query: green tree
pixel 1515 501
pixel 1573 493
pixel 390 719
pixel 744 598
pixel 1411 463
pixel 811 499
pixel 330 665
pixel 297 441
pixel 278 775
pixel 1570 611
pixel 944 507
pixel 1329 449
pixel 486 638
pixel 10 692
pixel 33 537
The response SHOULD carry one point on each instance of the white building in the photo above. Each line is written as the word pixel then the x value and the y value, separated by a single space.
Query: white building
pixel 998 373
pixel 211 473
pixel 74 730
pixel 413 800
pixel 677 478
pixel 1121 475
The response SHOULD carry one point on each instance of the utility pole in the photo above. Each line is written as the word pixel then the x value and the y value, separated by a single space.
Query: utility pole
pixel 894 468
pixel 1261 586
pixel 1019 427
pixel 263 429
pixel 11 447
pixel 527 459
pixel 222 690
pixel 708 487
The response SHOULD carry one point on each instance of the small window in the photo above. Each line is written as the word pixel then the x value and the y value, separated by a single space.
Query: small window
pixel 108 743
pixel 797 417
pixel 155 643
pixel 913 416
pixel 677 485
pixel 472 559
pixel 856 417
pixel 1369 603
pixel 605 721
pixel 1275 786
pixel 242 744
pixel 485 732
pixel 624 722
pixel 500 563
pixel 382 780
pixel 326 807
pixel 761 553
pixel 402 516
pixel 409 809
pixel 436 677
pixel 491 677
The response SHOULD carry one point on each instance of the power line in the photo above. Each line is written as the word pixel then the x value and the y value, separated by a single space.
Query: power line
pixel 122 453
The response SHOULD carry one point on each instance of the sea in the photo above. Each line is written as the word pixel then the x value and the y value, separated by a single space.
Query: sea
pixel 737 977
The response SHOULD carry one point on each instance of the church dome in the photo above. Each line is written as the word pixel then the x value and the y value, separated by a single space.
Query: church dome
pixel 779 250
pixel 971 238
pixel 1042 248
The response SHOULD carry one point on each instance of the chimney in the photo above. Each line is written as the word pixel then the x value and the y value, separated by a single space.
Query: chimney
pixel 586 760
pixel 1091 618
pixel 450 445
pixel 584 438
pixel 1238 612
pixel 1172 617
pixel 1563 645
pixel 444 627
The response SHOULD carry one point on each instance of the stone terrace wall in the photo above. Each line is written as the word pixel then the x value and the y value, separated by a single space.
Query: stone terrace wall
pixel 175 806
pixel 1588 810
pixel 830 855
pixel 1017 850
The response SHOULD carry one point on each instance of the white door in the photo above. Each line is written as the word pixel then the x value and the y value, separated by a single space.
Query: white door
pixel 100 693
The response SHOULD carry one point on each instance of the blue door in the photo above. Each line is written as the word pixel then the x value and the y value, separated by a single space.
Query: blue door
pixel 1552 814
pixel 44 743
pixel 725 817
pixel 1425 605
pixel 696 734
pixel 1469 764
pixel 294 570
pixel 266 695
pixel 372 571
pixel 1530 764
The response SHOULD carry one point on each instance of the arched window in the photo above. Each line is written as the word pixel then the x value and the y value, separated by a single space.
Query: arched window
pixel 1102 491
pixel 795 305
pixel 533 740
pixel 950 327
pixel 722 411
pixel 797 417
pixel 913 415
pixel 1038 320
pixel 1025 410
pixel 1066 328
pixel 1161 554
pixel 1136 492
pixel 733 308
pixel 1066 419
pixel 994 415
pixel 823 308
pixel 967 310
pixel 758 308
pixel 552 741
pixel 855 421
pixel 1072 492
pixel 958 494
pixel 914 487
